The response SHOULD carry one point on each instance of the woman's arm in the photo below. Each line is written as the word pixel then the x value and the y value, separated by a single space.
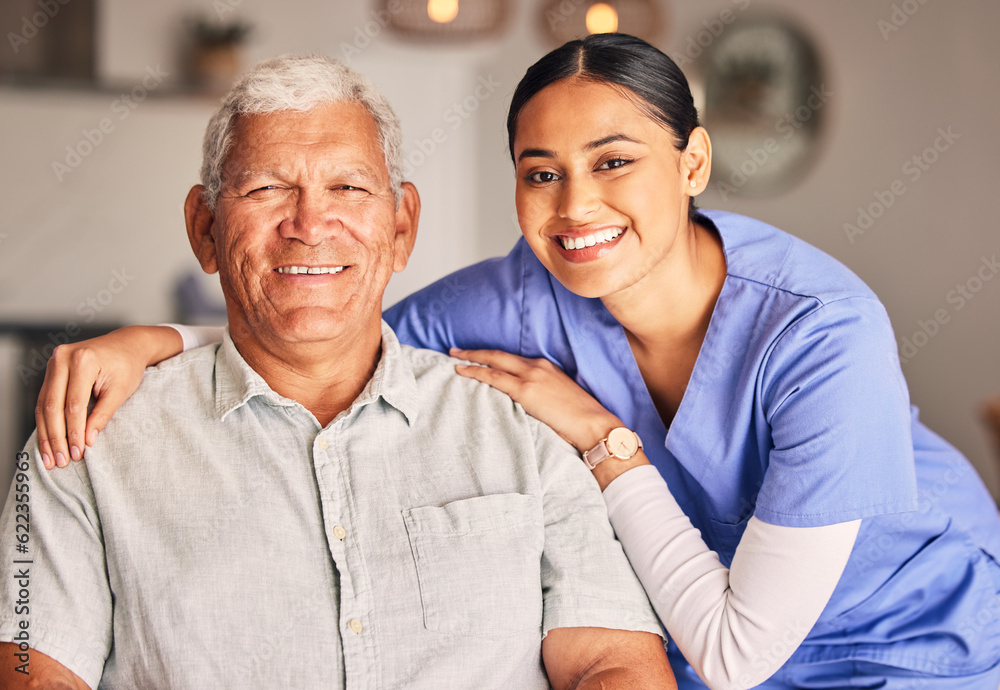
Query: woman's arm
pixel 108 367
pixel 735 626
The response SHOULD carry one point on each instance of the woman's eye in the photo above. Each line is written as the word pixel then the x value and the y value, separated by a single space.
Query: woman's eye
pixel 613 163
pixel 542 177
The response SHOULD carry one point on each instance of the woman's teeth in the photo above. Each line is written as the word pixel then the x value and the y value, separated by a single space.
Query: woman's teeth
pixel 599 237
pixel 311 270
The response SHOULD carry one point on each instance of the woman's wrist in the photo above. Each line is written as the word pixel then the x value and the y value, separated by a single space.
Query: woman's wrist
pixel 594 429
pixel 612 468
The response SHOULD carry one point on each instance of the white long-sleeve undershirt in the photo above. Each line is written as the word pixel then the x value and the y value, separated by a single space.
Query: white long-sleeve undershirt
pixel 735 626
pixel 196 336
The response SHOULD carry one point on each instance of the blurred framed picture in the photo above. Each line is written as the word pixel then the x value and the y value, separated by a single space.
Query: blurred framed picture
pixel 48 40
pixel 765 103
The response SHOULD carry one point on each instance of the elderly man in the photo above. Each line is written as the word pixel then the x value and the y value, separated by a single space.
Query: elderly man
pixel 312 504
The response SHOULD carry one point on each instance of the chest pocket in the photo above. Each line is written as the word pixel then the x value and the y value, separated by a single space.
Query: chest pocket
pixel 478 563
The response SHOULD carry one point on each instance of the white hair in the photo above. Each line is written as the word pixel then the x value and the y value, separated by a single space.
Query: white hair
pixel 297 83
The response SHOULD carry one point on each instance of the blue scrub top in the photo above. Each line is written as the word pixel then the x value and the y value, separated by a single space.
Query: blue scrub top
pixel 796 412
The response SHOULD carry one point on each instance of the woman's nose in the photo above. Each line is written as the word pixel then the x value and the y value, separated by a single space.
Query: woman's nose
pixel 578 200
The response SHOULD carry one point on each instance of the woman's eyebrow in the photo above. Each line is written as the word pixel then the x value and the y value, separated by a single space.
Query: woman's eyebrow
pixel 596 144
pixel 610 140
pixel 535 153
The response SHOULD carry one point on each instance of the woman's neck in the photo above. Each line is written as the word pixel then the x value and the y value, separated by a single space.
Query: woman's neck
pixel 672 305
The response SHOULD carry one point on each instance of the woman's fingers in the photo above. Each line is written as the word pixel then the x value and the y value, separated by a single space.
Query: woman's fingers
pixel 84 372
pixel 544 391
pixel 497 359
pixel 500 380
pixel 61 412
pixel 50 411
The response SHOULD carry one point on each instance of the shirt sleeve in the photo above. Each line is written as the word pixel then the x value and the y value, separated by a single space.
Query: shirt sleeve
pixel 838 410
pixel 196 336
pixel 66 601
pixel 586 579
pixel 735 626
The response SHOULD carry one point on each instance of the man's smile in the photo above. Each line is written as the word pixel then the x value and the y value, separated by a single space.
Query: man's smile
pixel 310 270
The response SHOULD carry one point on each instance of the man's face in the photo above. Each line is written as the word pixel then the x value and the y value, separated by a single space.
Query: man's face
pixel 305 233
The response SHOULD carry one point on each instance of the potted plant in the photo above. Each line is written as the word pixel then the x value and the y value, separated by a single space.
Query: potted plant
pixel 216 53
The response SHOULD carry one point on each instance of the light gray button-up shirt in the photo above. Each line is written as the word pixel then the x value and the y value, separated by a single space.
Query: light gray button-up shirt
pixel 218 537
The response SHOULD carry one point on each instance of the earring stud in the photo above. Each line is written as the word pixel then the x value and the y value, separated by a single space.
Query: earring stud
pixel 693 183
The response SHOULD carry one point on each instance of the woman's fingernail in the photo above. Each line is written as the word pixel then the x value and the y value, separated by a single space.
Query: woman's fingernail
pixel 60 460
pixel 74 453
pixel 46 461
pixel 91 437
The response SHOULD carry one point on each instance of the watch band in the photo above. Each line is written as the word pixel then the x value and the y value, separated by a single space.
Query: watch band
pixel 620 443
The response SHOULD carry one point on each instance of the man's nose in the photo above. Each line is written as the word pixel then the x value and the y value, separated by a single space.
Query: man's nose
pixel 311 219
pixel 578 199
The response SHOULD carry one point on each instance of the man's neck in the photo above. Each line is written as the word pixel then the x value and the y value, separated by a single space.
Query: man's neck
pixel 325 376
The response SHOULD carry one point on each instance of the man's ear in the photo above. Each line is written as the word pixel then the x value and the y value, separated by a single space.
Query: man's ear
pixel 200 220
pixel 407 217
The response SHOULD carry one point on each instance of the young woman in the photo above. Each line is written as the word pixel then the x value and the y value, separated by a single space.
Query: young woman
pixel 736 392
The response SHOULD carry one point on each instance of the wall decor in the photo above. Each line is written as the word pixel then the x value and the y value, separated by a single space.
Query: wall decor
pixel 765 102
pixel 449 20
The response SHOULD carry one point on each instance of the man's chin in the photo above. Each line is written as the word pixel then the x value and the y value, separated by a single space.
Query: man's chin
pixel 308 326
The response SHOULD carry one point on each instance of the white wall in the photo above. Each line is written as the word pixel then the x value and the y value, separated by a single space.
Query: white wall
pixel 120 209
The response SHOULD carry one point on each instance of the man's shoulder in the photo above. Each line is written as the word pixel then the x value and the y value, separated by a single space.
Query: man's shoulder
pixel 189 375
pixel 442 391
pixel 435 375
pixel 185 364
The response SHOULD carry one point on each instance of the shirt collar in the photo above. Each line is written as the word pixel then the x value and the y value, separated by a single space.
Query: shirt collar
pixel 393 380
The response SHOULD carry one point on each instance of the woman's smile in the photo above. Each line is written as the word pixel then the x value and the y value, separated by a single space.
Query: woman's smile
pixel 590 243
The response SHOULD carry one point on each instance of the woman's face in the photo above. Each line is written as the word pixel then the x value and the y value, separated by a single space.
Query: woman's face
pixel 601 190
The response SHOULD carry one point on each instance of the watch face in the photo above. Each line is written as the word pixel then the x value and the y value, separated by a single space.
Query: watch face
pixel 622 443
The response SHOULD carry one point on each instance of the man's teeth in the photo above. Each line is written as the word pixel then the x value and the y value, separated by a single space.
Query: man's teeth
pixel 599 237
pixel 311 270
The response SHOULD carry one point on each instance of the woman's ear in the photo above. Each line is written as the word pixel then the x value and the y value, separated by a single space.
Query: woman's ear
pixel 696 161
pixel 200 220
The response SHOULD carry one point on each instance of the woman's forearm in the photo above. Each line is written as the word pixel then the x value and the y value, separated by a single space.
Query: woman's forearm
pixel 735 626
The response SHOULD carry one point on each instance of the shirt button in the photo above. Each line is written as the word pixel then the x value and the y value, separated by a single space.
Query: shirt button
pixel 323 444
pixel 355 626
pixel 339 532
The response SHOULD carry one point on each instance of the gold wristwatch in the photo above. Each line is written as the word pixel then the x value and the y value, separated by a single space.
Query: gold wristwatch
pixel 620 443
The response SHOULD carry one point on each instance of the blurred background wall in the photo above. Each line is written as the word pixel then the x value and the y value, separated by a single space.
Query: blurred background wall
pixel 898 189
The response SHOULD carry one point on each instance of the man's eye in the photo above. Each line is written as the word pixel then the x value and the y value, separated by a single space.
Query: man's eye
pixel 613 163
pixel 263 191
pixel 542 177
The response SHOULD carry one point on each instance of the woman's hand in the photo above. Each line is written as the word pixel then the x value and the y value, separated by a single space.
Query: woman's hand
pixel 550 396
pixel 110 367
pixel 544 391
